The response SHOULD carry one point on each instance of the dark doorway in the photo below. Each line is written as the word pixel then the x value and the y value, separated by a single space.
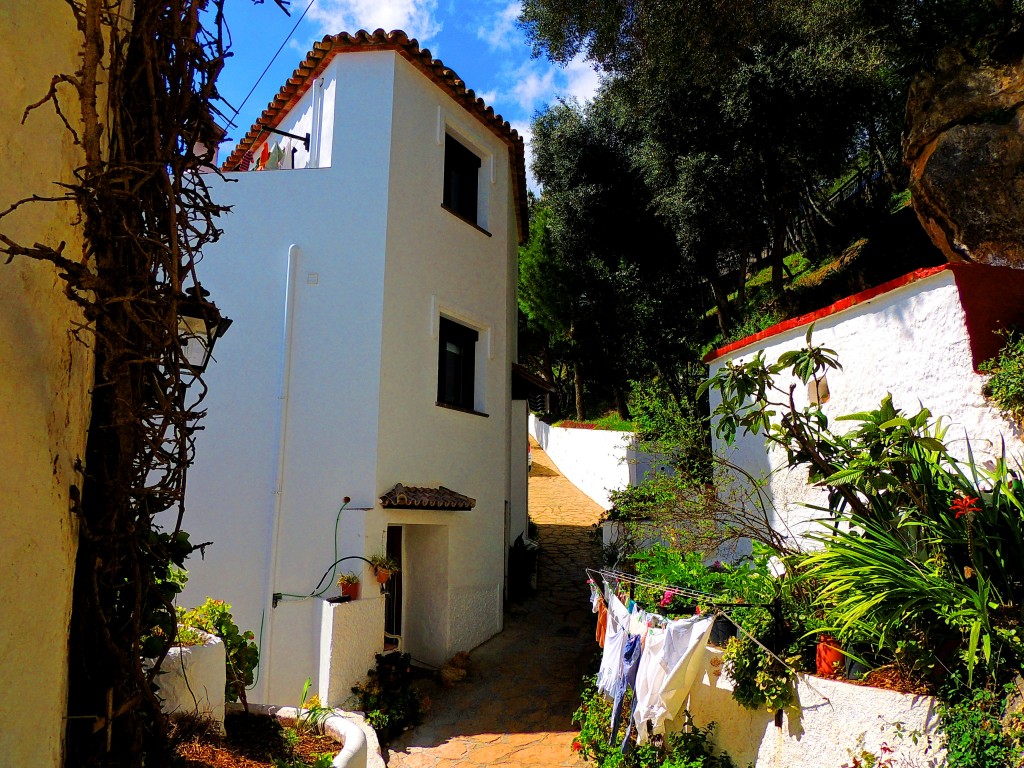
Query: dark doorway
pixel 393 594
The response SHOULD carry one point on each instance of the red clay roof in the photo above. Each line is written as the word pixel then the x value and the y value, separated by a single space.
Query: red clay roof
pixel 362 41
pixel 409 497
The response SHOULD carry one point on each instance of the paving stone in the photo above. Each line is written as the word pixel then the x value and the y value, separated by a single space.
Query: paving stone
pixel 516 707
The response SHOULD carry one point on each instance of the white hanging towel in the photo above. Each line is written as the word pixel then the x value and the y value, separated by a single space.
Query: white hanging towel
pixel 614 644
pixel 670 672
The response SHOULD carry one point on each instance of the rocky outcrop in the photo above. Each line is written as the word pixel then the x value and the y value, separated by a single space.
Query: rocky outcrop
pixel 965 150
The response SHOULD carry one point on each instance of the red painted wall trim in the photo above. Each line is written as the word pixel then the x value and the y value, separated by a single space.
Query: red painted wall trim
pixel 993 301
pixel 831 309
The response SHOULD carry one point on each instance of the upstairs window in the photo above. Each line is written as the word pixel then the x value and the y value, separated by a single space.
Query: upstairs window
pixel 461 180
pixel 456 364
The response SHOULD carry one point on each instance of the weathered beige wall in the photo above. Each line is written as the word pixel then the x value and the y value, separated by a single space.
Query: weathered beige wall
pixel 43 391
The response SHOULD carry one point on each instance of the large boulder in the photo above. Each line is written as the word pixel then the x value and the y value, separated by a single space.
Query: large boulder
pixel 964 147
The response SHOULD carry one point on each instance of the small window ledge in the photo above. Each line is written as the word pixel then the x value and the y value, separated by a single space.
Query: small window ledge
pixel 460 409
pixel 460 217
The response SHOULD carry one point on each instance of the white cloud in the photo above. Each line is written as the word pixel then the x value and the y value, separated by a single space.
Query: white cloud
pixel 500 33
pixel 581 80
pixel 417 18
pixel 534 85
pixel 487 96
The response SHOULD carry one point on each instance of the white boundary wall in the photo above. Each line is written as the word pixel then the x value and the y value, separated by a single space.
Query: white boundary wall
pixel 911 342
pixel 837 721
pixel 191 680
pixel 594 460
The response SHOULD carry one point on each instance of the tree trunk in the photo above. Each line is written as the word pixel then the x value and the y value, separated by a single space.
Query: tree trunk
pixel 621 404
pixel 778 252
pixel 577 382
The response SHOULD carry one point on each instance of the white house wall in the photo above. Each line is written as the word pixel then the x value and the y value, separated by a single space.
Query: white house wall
pixel 268 497
pixel 439 264
pixel 313 113
pixel 911 342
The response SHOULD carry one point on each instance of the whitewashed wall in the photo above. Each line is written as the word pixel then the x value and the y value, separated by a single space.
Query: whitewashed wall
pixel 594 460
pixel 519 514
pixel 835 722
pixel 326 385
pixel 911 342
pixel 192 678
pixel 347 644
pixel 301 259
pixel 438 264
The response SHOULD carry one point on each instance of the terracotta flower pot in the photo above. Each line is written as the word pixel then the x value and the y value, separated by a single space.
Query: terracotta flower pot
pixel 350 591
pixel 382 575
pixel 829 658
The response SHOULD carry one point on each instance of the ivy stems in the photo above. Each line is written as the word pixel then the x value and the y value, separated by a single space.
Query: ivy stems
pixel 143 100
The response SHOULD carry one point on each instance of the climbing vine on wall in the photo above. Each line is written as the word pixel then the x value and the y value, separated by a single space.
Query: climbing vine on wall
pixel 141 107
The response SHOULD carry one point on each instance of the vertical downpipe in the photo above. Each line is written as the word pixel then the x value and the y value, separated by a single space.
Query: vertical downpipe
pixel 294 253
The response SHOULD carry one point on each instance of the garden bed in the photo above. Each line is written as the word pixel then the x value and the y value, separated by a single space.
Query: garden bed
pixel 252 741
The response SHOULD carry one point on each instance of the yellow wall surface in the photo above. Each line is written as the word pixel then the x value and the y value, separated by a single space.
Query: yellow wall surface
pixel 44 376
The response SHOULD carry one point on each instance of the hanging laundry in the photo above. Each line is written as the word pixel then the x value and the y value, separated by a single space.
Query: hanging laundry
pixel 631 656
pixel 246 161
pixel 264 156
pixel 614 644
pixel 274 160
pixel 602 622
pixel 682 661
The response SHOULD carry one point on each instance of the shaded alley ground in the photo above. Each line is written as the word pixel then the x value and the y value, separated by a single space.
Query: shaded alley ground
pixel 516 706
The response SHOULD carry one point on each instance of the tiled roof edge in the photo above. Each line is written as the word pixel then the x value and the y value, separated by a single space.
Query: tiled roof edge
pixel 831 309
pixel 362 41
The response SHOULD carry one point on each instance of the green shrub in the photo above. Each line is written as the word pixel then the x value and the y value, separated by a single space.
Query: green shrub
pixel 977 736
pixel 1005 386
pixel 758 679
pixel 387 697
pixel 747 582
pixel 242 654
pixel 691 748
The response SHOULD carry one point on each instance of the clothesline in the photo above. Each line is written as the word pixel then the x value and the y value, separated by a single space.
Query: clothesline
pixel 775 606
pixel 684 591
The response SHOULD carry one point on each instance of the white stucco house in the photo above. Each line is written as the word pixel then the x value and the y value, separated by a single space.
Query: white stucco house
pixel 921 338
pixel 369 263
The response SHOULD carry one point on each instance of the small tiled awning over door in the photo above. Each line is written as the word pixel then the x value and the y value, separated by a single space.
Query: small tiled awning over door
pixel 412 497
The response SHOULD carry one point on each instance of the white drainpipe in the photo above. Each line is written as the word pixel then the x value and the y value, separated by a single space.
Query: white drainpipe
pixel 266 652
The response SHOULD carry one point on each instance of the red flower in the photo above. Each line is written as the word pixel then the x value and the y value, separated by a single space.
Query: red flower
pixel 576 746
pixel 964 505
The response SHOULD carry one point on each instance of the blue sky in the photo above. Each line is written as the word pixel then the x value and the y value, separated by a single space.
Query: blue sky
pixel 478 39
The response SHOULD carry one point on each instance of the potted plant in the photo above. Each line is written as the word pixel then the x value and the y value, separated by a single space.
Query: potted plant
pixel 383 567
pixel 829 657
pixel 348 583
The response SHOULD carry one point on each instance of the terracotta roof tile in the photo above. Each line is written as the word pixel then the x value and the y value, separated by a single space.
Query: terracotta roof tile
pixel 362 41
pixel 409 497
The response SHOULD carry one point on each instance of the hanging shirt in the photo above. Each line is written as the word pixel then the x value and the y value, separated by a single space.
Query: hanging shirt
pixel 631 657
pixel 671 662
pixel 614 644
pixel 602 621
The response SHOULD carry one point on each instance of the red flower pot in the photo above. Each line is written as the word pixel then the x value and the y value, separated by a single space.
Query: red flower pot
pixel 829 658
pixel 350 591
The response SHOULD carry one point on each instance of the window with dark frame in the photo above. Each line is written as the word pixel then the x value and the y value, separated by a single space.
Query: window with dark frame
pixel 456 364
pixel 461 180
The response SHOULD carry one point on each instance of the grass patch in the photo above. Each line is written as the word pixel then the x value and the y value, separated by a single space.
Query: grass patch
pixel 610 421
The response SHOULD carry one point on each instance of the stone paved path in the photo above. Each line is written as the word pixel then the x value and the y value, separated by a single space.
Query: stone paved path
pixel 516 706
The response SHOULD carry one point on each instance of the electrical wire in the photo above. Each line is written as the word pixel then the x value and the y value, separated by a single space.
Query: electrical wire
pixel 332 568
pixel 231 120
